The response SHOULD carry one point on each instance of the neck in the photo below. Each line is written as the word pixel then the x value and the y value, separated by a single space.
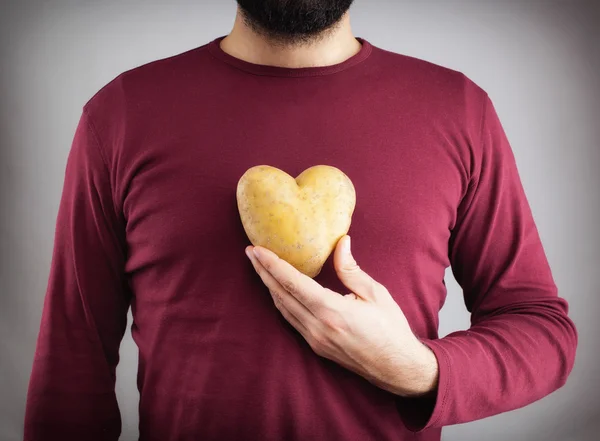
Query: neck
pixel 334 46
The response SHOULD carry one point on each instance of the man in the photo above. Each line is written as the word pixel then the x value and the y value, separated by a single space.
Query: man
pixel 243 347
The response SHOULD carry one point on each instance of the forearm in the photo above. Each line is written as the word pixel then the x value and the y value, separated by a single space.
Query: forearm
pixel 503 362
pixel 71 392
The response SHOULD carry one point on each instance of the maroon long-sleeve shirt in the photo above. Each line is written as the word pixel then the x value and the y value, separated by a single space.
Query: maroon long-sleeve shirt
pixel 148 218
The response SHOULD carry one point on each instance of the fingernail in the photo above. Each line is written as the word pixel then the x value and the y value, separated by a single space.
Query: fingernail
pixel 347 245
pixel 256 252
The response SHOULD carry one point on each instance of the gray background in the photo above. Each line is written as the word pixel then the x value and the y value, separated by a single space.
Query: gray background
pixel 538 60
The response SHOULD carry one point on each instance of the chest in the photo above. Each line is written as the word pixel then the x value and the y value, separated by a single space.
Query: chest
pixel 181 190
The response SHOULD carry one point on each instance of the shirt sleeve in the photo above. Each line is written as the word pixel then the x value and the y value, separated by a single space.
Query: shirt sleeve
pixel 71 392
pixel 521 344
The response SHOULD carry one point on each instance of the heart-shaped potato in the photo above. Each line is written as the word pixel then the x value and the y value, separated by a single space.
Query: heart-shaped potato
pixel 300 220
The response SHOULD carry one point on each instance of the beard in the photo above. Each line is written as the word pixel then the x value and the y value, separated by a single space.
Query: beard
pixel 293 22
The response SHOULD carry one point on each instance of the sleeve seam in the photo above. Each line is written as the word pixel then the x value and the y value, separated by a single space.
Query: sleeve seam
pixel 473 183
pixel 483 116
pixel 96 137
pixel 94 132
pixel 480 142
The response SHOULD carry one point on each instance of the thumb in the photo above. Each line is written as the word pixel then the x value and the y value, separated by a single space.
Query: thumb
pixel 350 274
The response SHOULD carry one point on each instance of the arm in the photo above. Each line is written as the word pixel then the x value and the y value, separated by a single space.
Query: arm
pixel 521 343
pixel 72 387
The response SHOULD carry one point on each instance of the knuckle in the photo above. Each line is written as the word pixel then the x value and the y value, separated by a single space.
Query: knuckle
pixel 267 265
pixel 319 338
pixel 334 322
pixel 353 268
pixel 317 343
pixel 289 285
pixel 276 298
pixel 278 302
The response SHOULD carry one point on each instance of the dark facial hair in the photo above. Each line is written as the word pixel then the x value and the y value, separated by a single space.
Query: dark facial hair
pixel 293 22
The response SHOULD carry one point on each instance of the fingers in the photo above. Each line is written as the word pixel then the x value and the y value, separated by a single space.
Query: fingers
pixel 293 310
pixel 304 289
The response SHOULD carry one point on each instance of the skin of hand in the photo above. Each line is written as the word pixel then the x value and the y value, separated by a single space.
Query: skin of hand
pixel 364 331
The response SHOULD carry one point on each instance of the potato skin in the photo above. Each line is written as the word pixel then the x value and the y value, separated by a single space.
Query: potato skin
pixel 302 219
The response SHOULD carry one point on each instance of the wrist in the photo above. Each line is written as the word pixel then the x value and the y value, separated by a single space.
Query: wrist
pixel 416 373
pixel 426 373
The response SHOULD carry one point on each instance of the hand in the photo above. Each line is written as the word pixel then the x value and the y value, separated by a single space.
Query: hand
pixel 364 331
